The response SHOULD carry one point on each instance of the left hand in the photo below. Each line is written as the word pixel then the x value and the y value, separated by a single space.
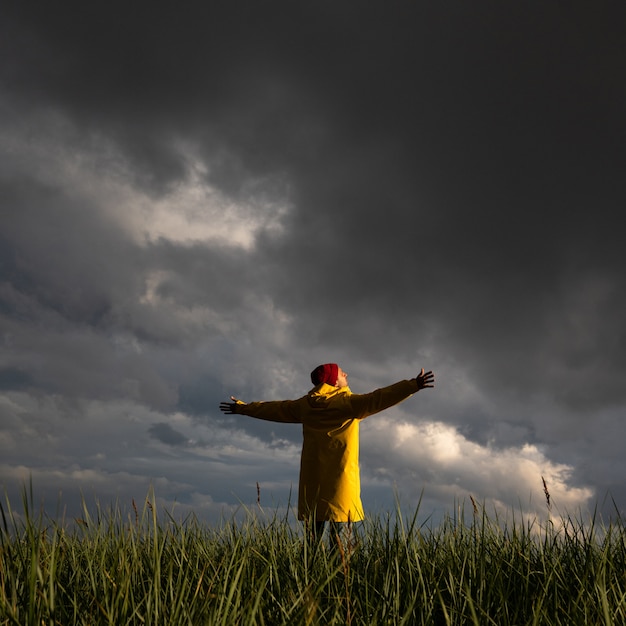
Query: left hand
pixel 230 408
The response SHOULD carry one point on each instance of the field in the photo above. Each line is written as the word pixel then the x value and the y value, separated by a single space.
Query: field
pixel 145 568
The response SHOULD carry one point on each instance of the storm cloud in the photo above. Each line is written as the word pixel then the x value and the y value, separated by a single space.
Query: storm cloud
pixel 211 200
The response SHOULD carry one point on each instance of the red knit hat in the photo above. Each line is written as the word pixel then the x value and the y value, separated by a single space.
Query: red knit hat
pixel 327 373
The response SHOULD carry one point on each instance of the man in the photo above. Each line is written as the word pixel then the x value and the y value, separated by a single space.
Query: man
pixel 330 487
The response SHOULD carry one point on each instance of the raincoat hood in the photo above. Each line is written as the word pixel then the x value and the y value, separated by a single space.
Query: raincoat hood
pixel 323 394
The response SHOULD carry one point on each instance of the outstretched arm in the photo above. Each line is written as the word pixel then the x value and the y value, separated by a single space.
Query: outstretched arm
pixel 278 411
pixel 381 399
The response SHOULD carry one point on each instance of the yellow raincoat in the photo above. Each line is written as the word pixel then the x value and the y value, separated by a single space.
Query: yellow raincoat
pixel 330 485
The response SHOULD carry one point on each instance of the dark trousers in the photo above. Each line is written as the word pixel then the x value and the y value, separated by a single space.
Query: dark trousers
pixel 338 532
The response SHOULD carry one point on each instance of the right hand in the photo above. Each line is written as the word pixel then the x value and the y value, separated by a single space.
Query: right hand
pixel 425 380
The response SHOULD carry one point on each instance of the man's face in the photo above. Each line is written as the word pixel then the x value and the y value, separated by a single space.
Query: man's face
pixel 342 378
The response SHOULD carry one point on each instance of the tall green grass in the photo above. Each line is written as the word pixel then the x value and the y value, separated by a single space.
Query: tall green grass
pixel 146 568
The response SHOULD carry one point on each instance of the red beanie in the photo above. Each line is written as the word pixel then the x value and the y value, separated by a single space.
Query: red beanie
pixel 327 373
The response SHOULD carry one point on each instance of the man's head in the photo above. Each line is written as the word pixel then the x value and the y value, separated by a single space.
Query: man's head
pixel 331 374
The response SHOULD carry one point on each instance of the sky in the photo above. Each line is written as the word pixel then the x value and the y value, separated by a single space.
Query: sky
pixel 210 199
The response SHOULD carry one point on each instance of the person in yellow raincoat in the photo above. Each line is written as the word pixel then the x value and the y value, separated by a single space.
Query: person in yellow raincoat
pixel 330 484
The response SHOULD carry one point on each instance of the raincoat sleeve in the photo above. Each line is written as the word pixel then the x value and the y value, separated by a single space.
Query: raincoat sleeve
pixel 381 399
pixel 285 411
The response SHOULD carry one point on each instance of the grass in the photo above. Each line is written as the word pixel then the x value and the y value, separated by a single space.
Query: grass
pixel 139 569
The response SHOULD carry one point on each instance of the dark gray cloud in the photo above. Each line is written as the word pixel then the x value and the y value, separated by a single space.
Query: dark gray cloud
pixel 211 200
pixel 166 434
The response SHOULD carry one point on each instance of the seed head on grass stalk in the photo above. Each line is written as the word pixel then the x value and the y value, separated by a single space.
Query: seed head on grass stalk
pixel 474 506
pixel 136 514
pixel 547 494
